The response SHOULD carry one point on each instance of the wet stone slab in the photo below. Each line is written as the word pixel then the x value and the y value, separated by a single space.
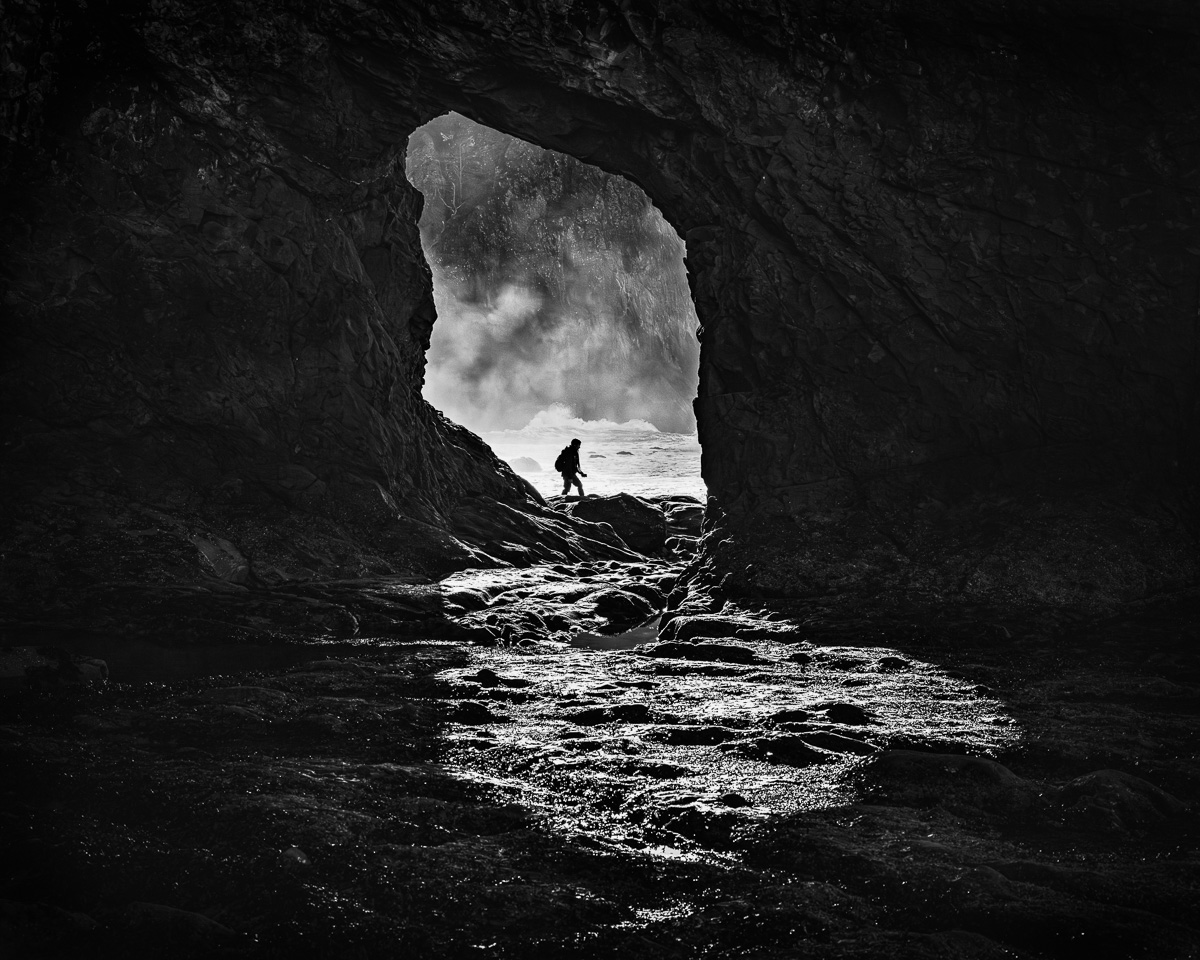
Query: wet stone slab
pixel 860 789
pixel 713 733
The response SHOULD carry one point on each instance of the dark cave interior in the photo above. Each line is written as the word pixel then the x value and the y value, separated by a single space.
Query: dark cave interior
pixel 946 266
pixel 944 271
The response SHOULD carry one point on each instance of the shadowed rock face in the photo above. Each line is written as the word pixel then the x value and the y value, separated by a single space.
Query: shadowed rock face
pixel 946 270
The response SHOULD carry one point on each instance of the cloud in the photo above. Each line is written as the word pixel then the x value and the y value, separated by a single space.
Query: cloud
pixel 567 288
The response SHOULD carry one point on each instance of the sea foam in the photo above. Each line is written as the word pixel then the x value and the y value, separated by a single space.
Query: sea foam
pixel 559 420
pixel 631 457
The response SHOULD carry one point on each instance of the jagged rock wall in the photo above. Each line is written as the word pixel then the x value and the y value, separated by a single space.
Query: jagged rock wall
pixel 217 312
pixel 946 265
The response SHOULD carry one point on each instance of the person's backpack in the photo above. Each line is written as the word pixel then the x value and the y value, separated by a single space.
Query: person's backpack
pixel 563 463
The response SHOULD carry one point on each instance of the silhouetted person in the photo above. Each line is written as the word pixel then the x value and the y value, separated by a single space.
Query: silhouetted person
pixel 568 465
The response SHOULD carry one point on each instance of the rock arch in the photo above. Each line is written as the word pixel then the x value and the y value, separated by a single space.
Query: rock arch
pixel 946 268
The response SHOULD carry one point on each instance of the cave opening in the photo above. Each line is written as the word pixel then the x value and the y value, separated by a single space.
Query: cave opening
pixel 563 310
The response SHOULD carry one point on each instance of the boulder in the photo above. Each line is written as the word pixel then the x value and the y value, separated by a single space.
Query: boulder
pixel 848 714
pixel 682 547
pixel 223 559
pixel 621 607
pixel 640 524
pixel 912 778
pixel 1109 800
pixel 688 627
pixel 684 518
pixel 47 668
pixel 489 678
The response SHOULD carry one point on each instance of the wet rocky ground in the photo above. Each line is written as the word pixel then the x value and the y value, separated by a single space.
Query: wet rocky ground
pixel 592 778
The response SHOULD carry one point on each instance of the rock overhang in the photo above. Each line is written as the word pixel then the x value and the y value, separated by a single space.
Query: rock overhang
pixel 942 266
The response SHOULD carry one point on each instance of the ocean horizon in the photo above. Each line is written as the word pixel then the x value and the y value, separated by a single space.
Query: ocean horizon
pixel 632 457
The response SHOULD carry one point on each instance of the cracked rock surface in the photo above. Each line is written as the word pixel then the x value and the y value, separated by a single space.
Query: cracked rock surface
pixel 861 788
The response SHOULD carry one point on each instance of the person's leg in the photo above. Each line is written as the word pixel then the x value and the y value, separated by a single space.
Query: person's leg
pixel 578 484
pixel 566 483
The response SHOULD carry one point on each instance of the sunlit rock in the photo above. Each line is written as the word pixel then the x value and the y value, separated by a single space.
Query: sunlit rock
pixel 707 650
pixel 621 713
pixel 687 628
pixel 621 607
pixel 683 519
pixel 640 524
pixel 710 823
pixel 786 749
pixel 692 735
pixel 838 743
pixel 849 714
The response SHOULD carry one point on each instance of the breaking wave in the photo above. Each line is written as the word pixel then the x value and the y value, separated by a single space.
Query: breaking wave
pixel 630 457
pixel 557 420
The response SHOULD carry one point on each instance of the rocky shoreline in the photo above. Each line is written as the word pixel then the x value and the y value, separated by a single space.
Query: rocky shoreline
pixel 927 685
pixel 591 778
